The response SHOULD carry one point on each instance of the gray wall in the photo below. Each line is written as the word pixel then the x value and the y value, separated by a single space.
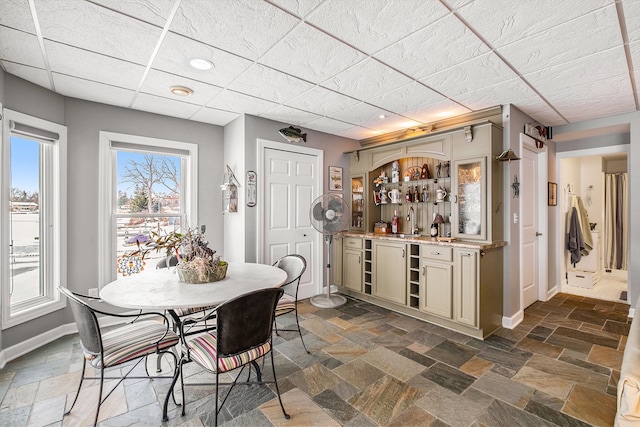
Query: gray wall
pixel 84 120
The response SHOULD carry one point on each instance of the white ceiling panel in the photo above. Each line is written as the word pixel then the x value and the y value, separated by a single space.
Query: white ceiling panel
pixel 17 14
pixel 311 55
pixel 371 25
pixel 334 64
pixel 166 106
pixel 241 103
pixel 29 52
pixel 297 7
pixel 367 79
pixel 322 101
pixel 267 83
pixel 214 116
pixel 631 10
pixel 290 115
pixel 583 36
pixel 405 98
pixel 159 83
pixel 477 73
pixel 97 29
pixel 87 65
pixel 437 47
pixel 246 27
pixel 97 92
pixel 503 21
pixel 176 51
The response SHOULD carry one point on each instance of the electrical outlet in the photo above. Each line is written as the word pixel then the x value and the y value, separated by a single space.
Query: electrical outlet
pixel 93 292
pixel 515 218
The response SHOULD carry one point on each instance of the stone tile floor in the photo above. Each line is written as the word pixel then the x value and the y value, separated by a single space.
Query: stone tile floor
pixel 368 367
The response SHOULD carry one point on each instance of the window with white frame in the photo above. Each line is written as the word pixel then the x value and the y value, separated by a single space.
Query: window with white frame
pixel 147 185
pixel 33 225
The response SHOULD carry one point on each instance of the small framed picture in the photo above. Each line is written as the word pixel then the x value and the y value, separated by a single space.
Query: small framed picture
pixel 335 178
pixel 552 194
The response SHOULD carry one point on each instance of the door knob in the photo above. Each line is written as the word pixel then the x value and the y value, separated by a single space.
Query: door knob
pixel 538 234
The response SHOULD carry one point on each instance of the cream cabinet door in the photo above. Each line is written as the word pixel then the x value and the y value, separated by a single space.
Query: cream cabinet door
pixel 390 271
pixel 336 261
pixel 352 269
pixel 436 288
pixel 466 286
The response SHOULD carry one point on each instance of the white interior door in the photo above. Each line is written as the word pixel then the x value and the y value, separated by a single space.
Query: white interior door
pixel 529 240
pixel 290 185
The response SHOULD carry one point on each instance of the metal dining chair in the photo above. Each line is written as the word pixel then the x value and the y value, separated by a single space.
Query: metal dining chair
pixel 294 265
pixel 242 334
pixel 103 350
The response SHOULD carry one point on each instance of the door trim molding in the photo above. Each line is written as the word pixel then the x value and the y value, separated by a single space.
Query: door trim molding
pixel 318 247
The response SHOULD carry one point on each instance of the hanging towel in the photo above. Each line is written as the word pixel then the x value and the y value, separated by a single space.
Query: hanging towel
pixel 583 221
pixel 576 241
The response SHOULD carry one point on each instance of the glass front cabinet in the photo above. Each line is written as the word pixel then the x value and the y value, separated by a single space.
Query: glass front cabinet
pixel 358 202
pixel 469 196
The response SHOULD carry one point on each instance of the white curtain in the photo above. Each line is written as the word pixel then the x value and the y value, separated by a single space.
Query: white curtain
pixel 616 221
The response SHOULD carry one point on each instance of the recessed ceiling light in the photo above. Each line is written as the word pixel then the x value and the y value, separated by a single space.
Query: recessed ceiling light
pixel 181 91
pixel 201 64
pixel 382 116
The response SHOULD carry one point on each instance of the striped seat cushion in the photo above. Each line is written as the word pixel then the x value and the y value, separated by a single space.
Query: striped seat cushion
pixel 286 304
pixel 202 348
pixel 133 341
pixel 187 311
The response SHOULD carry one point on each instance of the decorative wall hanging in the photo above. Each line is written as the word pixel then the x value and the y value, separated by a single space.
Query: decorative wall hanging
pixel 516 187
pixel 335 178
pixel 539 133
pixel 229 189
pixel 552 194
pixel 252 188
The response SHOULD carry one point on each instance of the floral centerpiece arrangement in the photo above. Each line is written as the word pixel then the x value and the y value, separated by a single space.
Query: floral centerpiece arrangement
pixel 197 263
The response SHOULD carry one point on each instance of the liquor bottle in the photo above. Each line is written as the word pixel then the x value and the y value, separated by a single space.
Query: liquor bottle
pixel 408 195
pixel 425 193
pixel 394 223
pixel 416 196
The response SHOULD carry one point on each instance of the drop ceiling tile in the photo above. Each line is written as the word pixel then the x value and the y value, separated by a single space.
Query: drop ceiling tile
pixel 437 111
pixel 31 74
pixel 477 73
pixel 97 29
pixel 321 101
pixel 390 124
pixel 359 114
pixel 581 37
pixel 634 50
pixel 290 115
pixel 504 21
pixel 504 93
pixel 580 71
pixel 311 55
pixel 631 10
pixel 214 116
pixel 297 7
pixel 437 47
pixel 594 99
pixel 405 98
pixel 92 91
pixel 267 83
pixel 17 14
pixel 176 51
pixel 152 11
pixel 540 111
pixel 366 79
pixel 457 4
pixel 246 27
pixel 165 106
pixel 327 125
pixel 359 133
pixel 241 103
pixel 375 24
pixel 158 83
pixel 87 65
pixel 20 47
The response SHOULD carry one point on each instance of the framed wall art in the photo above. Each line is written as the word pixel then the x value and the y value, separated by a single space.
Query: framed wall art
pixel 552 194
pixel 335 178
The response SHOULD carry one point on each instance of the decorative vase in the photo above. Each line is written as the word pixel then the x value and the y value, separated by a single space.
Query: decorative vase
pixel 191 276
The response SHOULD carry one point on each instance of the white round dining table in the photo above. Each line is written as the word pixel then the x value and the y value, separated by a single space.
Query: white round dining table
pixel 160 289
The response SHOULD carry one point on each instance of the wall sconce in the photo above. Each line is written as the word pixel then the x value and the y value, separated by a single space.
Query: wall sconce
pixel 229 189
pixel 507 156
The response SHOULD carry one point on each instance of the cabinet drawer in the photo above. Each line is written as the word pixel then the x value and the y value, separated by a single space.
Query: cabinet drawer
pixel 352 243
pixel 437 253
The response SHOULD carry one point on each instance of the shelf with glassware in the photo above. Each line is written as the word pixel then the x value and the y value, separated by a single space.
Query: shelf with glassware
pixel 357 201
pixel 417 196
